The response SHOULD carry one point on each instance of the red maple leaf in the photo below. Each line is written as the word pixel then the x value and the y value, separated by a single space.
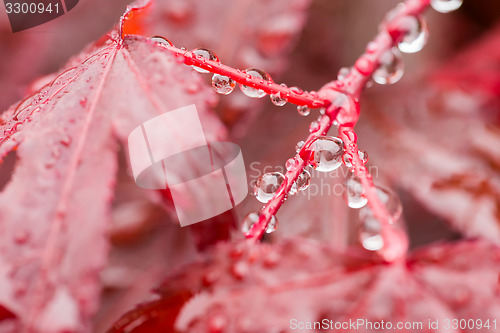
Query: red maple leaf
pixel 66 139
pixel 287 286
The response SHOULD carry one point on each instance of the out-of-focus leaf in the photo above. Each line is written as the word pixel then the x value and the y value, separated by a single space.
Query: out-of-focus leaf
pixel 56 208
pixel 264 288
pixel 441 142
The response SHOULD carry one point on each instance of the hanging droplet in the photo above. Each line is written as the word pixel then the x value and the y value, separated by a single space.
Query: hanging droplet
pixel 303 181
pixel 161 41
pixel 299 146
pixel 249 221
pixel 446 6
pixel 303 110
pixel 222 84
pixel 347 158
pixel 272 225
pixel 205 54
pixel 391 202
pixel 291 164
pixel 343 72
pixel 416 34
pixel 314 126
pixel 253 92
pixel 353 193
pixel 277 99
pixel 391 67
pixel 328 153
pixel 266 185
pixel 369 234
pixel 363 155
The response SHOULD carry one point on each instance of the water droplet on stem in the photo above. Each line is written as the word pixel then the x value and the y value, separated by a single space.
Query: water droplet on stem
pixel 446 6
pixel 391 67
pixel 327 153
pixel 254 92
pixel 416 34
pixel 204 54
pixel 161 41
pixel 222 84
pixel 267 185
pixel 303 110
pixel 353 193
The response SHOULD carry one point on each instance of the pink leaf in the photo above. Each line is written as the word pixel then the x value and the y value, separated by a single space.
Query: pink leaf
pixel 66 137
pixel 264 288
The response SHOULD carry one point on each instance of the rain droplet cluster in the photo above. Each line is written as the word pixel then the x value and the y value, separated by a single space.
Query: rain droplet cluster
pixel 416 34
pixel 328 153
pixel 225 85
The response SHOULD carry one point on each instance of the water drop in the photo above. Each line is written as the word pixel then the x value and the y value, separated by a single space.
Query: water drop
pixel 446 6
pixel 277 99
pixel 348 162
pixel 363 155
pixel 299 146
pixel 291 164
pixel 161 41
pixel 249 221
pixel 416 34
pixel 343 72
pixel 297 90
pixel 391 202
pixel 328 153
pixel 254 92
pixel 391 67
pixel 205 54
pixel 314 126
pixel 267 184
pixel 222 84
pixel 363 65
pixel 348 109
pixel 303 181
pixel 272 225
pixel 303 110
pixel 369 234
pixel 353 193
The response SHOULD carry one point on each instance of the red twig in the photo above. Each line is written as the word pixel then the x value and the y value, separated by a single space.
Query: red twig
pixel 341 100
pixel 347 115
pixel 311 99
